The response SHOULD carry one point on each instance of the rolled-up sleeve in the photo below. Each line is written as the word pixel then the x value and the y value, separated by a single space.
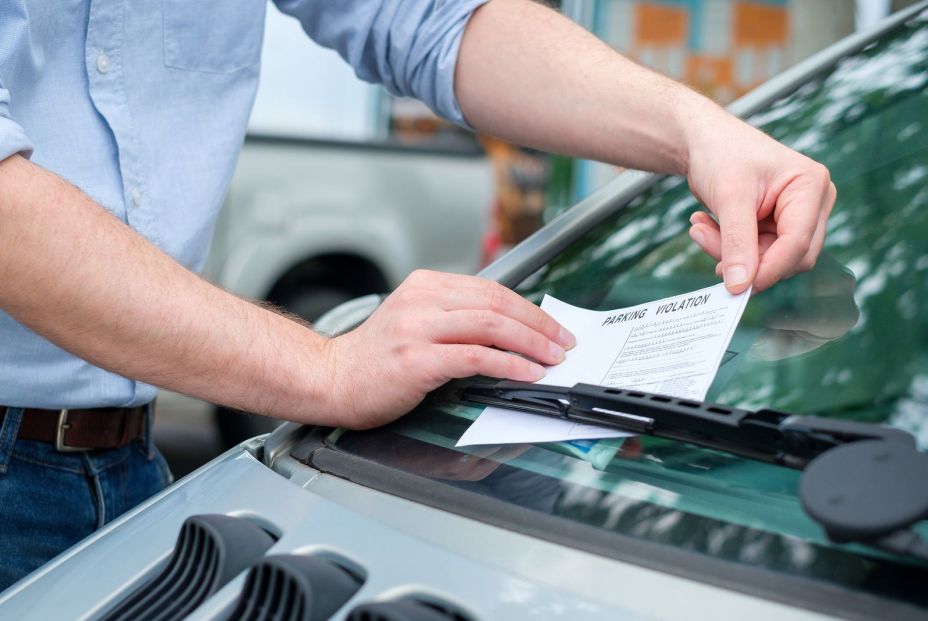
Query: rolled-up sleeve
pixel 409 46
pixel 12 137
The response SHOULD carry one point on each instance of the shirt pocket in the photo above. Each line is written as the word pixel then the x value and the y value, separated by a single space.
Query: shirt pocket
pixel 214 36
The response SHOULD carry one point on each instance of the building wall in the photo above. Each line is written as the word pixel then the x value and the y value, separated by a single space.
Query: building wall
pixel 816 25
pixel 723 48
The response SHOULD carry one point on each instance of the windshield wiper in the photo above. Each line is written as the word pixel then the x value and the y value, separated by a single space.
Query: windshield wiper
pixel 861 482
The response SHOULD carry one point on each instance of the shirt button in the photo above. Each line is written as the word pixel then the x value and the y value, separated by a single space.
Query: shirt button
pixel 103 63
pixel 136 197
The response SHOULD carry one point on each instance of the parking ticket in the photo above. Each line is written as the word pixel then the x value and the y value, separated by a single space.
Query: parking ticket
pixel 671 346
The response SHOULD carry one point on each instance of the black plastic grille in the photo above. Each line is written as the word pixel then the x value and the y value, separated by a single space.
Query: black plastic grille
pixel 210 551
pixel 295 588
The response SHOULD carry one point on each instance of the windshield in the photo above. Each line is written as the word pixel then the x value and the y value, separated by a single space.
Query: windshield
pixel 846 340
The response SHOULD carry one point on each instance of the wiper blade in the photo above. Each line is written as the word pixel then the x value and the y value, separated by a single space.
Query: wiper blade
pixel 766 435
pixel 861 482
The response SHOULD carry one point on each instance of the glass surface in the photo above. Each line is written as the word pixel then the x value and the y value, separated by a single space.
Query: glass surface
pixel 846 340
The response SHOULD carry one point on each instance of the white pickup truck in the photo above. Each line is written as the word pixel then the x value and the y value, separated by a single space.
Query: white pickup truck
pixel 308 224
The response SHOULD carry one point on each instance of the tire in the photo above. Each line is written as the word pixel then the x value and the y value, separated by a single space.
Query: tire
pixel 309 304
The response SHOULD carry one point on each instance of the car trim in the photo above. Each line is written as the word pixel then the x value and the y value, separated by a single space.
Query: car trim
pixel 805 593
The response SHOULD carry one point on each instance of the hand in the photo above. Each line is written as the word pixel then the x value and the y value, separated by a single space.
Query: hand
pixel 772 203
pixel 433 328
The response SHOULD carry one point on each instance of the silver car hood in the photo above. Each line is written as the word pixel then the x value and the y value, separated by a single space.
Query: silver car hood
pixel 402 547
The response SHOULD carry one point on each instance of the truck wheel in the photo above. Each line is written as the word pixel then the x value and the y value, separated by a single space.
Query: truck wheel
pixel 308 304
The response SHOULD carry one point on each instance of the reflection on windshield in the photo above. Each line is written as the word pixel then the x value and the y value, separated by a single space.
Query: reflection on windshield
pixel 811 310
pixel 847 339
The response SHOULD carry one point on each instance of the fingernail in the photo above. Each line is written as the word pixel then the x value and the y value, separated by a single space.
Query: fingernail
pixel 735 275
pixel 698 237
pixel 536 372
pixel 565 338
pixel 556 351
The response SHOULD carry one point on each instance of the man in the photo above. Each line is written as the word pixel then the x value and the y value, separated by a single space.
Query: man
pixel 132 117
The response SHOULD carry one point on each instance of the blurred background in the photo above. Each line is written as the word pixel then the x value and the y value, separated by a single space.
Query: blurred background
pixel 342 189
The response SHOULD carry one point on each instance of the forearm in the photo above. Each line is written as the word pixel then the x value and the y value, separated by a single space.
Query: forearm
pixel 529 75
pixel 78 276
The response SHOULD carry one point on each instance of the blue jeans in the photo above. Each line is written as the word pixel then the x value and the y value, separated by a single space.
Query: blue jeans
pixel 49 500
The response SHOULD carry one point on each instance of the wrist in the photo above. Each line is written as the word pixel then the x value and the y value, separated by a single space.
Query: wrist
pixel 315 400
pixel 332 393
pixel 294 382
pixel 325 388
pixel 700 122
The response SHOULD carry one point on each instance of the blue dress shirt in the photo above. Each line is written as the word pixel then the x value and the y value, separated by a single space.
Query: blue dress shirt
pixel 143 105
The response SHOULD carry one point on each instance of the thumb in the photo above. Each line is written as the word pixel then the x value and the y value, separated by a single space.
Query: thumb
pixel 738 224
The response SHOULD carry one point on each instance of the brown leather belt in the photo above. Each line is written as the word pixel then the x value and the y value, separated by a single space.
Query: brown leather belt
pixel 82 430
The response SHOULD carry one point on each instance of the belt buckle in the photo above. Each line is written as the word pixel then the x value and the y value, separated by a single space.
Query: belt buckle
pixel 63 426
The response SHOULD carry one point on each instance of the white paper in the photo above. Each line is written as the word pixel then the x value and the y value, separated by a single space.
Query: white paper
pixel 672 346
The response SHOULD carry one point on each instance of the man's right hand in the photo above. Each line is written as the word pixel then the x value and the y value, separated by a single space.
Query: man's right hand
pixel 433 328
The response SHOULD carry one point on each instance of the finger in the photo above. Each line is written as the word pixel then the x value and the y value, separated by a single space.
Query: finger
pixel 483 327
pixel 737 214
pixel 503 301
pixel 815 248
pixel 767 225
pixel 818 240
pixel 708 238
pixel 781 261
pixel 764 241
pixel 491 295
pixel 432 279
pixel 457 361
pixel 705 232
pixel 797 222
pixel 702 217
pixel 460 291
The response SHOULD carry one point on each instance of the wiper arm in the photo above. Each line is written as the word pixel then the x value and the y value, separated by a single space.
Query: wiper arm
pixel 861 482
pixel 765 435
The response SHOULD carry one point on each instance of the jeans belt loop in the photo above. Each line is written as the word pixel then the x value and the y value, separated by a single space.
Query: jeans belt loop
pixel 9 431
pixel 62 428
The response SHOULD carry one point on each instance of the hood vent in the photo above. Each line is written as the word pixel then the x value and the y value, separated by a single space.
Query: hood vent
pixel 295 588
pixel 210 551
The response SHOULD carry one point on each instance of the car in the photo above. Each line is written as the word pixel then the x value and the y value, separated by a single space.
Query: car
pixel 397 523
